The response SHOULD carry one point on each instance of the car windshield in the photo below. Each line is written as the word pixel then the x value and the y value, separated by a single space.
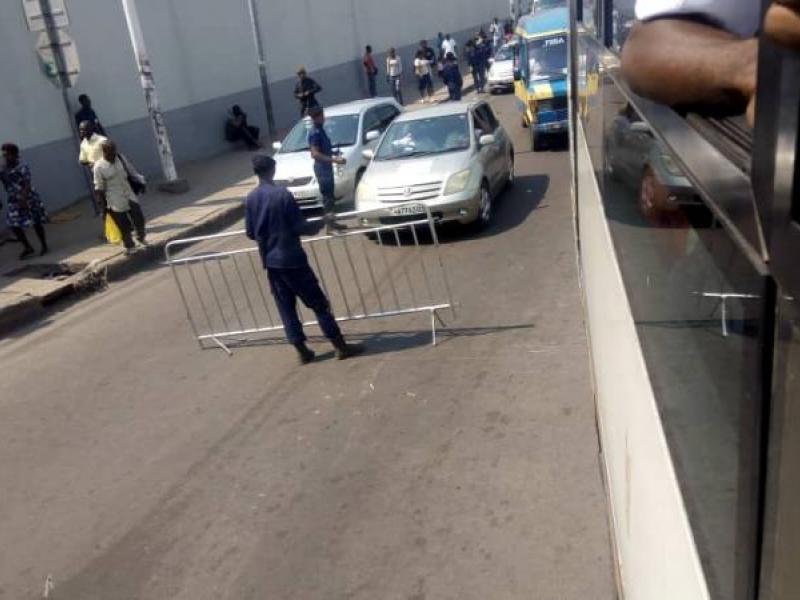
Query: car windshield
pixel 545 4
pixel 342 129
pixel 505 53
pixel 548 57
pixel 425 136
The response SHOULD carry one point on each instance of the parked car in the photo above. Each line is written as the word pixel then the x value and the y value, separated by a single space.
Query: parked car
pixel 634 156
pixel 453 159
pixel 352 127
pixel 501 71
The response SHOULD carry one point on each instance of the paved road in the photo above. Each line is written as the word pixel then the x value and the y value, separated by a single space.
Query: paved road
pixel 135 466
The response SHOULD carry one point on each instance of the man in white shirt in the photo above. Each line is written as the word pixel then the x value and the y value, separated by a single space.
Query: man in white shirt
pixel 394 74
pixel 449 46
pixel 703 52
pixel 114 194
pixel 91 144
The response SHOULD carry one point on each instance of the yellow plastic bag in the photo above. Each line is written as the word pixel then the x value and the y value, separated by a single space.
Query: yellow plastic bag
pixel 113 234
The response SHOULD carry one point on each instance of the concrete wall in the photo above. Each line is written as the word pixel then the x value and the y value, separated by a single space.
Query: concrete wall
pixel 203 59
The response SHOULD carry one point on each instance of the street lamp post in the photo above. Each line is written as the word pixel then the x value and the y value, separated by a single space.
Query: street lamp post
pixel 262 65
pixel 172 182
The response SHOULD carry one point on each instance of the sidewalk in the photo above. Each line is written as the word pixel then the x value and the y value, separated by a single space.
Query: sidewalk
pixel 80 262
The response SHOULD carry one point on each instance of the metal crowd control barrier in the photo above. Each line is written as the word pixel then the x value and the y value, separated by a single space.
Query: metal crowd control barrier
pixel 367 273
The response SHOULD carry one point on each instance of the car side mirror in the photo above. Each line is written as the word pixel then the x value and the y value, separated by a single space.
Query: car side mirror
pixel 372 135
pixel 517 75
pixel 277 146
pixel 487 140
pixel 368 153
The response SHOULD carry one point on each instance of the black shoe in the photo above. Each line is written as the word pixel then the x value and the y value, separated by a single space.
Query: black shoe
pixel 44 250
pixel 345 350
pixel 304 353
pixel 26 253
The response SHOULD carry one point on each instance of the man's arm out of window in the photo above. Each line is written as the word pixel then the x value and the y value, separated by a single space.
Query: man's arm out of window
pixel 680 62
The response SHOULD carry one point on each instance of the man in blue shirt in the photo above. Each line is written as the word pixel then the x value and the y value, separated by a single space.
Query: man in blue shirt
pixel 322 152
pixel 273 219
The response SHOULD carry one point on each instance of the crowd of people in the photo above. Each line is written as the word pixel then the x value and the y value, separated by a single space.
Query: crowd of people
pixel 116 186
pixel 444 62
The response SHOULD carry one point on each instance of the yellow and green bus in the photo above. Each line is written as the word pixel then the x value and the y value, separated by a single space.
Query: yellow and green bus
pixel 540 73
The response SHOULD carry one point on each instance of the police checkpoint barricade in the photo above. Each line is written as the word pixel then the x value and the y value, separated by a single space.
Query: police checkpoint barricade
pixel 391 269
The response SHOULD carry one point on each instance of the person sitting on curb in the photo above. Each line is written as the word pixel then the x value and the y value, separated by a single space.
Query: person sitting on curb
pixel 275 222
pixel 237 128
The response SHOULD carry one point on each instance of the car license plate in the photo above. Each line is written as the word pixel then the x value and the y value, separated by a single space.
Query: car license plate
pixel 411 209
pixel 305 195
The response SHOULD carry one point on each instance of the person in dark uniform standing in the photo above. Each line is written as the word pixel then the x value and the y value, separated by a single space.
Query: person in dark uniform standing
pixel 322 152
pixel 273 219
pixel 306 90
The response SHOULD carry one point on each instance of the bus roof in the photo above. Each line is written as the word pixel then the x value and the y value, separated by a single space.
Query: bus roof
pixel 544 22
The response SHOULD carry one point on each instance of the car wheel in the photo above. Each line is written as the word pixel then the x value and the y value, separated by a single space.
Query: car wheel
pixel 651 195
pixel 484 208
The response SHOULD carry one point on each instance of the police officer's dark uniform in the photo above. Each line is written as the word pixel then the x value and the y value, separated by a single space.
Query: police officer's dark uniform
pixel 273 219
pixel 323 170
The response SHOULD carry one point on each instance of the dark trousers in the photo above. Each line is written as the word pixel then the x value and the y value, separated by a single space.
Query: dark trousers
pixel 397 88
pixel 479 75
pixel 327 190
pixel 454 91
pixel 129 221
pixel 290 284
pixel 373 88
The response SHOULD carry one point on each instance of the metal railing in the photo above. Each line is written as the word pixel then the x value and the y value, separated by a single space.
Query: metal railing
pixel 372 272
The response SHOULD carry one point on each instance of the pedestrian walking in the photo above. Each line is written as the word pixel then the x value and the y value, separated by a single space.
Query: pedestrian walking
pixel 371 71
pixel 452 77
pixel 306 91
pixel 25 207
pixel 394 74
pixel 86 113
pixel 324 158
pixel 449 46
pixel 422 69
pixel 113 177
pixel 482 54
pixel 275 222
pixel 496 31
pixel 91 149
pixel 430 56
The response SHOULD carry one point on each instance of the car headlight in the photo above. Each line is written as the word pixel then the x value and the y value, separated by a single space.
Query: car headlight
pixel 670 166
pixel 457 183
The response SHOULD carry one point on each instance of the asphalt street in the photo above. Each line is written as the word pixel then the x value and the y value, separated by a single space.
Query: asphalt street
pixel 137 466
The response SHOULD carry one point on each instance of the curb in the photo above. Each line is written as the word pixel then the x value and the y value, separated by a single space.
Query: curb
pixel 98 274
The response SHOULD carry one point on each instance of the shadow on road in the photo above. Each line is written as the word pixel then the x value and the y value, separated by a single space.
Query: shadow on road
pixel 511 209
pixel 386 341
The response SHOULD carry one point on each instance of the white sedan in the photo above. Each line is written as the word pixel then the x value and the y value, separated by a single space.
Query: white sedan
pixel 352 127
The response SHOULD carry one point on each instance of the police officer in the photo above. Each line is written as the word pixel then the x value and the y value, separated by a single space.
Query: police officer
pixel 322 152
pixel 273 219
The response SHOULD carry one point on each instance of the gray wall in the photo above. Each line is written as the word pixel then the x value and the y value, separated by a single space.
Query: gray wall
pixel 203 60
